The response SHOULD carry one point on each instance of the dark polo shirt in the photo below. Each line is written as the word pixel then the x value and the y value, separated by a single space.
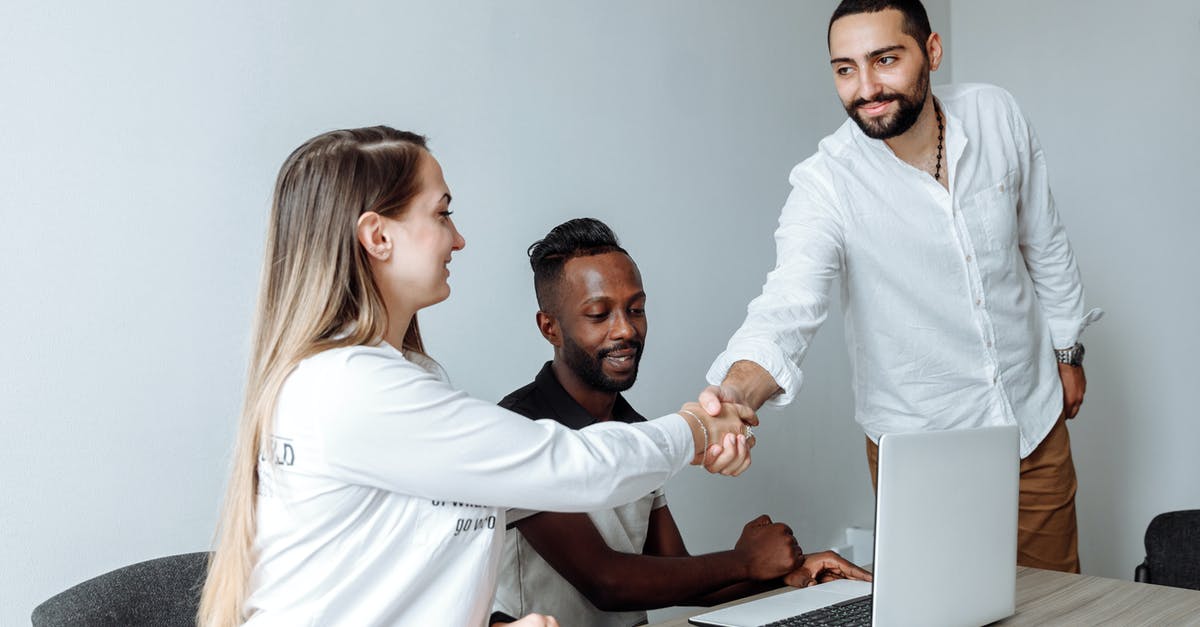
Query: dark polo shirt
pixel 526 582
pixel 546 398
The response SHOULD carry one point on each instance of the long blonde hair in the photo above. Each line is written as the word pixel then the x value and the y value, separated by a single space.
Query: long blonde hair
pixel 316 293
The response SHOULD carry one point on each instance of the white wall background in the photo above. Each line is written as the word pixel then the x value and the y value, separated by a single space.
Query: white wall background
pixel 1110 87
pixel 139 142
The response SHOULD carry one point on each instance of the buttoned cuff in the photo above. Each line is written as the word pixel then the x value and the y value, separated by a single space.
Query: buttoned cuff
pixel 786 374
pixel 1065 333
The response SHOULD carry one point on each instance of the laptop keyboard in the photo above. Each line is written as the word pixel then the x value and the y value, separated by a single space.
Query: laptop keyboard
pixel 847 613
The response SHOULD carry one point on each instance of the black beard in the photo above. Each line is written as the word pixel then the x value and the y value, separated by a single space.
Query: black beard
pixel 588 368
pixel 902 120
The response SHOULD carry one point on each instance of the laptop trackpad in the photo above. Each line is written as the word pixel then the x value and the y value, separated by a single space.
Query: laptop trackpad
pixel 785 604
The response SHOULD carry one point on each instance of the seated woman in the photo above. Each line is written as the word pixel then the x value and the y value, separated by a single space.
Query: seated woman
pixel 365 489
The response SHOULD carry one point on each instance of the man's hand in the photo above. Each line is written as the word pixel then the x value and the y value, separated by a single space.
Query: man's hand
pixel 1074 385
pixel 728 450
pixel 768 549
pixel 712 396
pixel 822 567
pixel 746 383
pixel 531 620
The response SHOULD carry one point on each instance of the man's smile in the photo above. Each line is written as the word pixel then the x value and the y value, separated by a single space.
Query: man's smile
pixel 876 108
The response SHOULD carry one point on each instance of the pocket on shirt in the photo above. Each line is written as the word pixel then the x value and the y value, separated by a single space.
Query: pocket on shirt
pixel 993 212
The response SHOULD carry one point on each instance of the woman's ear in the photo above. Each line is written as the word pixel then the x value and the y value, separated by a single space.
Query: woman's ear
pixel 370 234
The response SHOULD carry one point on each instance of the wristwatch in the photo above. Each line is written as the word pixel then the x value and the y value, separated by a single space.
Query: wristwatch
pixel 1070 356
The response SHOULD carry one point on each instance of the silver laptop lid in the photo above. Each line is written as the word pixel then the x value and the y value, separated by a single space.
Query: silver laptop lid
pixel 945 536
pixel 946 527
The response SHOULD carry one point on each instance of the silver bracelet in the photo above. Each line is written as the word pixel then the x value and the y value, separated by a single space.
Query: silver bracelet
pixel 703 429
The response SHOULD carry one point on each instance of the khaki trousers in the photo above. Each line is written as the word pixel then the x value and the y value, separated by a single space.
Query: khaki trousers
pixel 1047 535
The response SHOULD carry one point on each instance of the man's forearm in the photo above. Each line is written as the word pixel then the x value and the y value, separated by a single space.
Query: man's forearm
pixel 642 582
pixel 751 383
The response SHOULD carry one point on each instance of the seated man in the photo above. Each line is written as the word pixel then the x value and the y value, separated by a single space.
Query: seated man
pixel 609 567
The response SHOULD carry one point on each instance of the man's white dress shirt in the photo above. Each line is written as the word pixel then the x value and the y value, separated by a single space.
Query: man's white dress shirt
pixel 953 300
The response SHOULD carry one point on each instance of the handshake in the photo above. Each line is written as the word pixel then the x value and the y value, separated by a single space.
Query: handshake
pixel 723 437
pixel 724 414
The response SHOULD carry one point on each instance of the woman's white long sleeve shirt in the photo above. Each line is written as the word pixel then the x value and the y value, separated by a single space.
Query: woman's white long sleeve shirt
pixel 383 499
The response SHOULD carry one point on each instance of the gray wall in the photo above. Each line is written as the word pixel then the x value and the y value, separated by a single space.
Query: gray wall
pixel 1110 87
pixel 138 145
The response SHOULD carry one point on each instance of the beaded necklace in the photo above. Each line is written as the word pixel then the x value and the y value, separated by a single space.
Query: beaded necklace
pixel 941 128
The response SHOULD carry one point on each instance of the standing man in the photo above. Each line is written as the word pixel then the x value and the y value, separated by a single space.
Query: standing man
pixel 608 567
pixel 963 303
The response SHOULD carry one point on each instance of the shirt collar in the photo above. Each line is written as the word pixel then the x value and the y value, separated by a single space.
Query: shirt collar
pixel 956 142
pixel 955 138
pixel 567 410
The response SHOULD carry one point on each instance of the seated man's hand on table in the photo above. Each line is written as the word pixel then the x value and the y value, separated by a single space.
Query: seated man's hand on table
pixel 824 567
pixel 769 549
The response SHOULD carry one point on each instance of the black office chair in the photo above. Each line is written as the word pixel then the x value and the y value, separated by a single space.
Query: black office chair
pixel 163 591
pixel 1172 551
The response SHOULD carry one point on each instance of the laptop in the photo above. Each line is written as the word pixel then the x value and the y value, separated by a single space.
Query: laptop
pixel 945 539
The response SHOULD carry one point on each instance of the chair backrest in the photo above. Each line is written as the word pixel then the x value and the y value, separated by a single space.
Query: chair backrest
pixel 1173 550
pixel 163 591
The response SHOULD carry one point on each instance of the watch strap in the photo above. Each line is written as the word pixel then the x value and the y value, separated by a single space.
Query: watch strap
pixel 1072 356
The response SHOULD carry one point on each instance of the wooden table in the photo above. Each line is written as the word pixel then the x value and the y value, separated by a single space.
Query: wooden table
pixel 1050 598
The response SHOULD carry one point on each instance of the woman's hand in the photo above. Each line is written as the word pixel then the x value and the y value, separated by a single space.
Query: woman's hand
pixel 723 442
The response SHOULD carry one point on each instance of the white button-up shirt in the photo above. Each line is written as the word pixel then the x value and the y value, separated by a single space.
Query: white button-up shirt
pixel 953 300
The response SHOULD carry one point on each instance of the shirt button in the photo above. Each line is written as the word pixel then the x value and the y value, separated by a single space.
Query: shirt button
pixel 989 344
pixel 968 259
pixel 978 302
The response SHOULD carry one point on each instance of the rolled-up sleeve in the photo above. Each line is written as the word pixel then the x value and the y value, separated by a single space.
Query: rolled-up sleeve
pixel 781 322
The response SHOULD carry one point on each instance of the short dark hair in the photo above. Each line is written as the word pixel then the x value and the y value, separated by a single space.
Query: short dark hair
pixel 580 237
pixel 916 21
